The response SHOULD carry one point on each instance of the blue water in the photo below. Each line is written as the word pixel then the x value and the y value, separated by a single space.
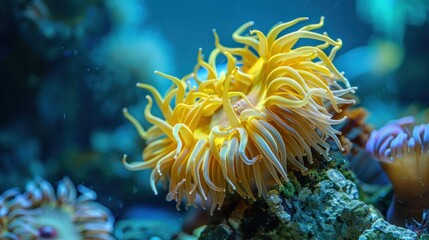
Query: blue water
pixel 66 73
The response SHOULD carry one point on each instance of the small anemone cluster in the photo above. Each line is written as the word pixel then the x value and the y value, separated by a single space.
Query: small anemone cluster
pixel 238 130
pixel 43 213
pixel 403 151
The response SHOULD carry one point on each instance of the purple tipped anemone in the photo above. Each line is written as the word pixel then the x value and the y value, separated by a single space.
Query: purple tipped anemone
pixel 404 155
pixel 43 213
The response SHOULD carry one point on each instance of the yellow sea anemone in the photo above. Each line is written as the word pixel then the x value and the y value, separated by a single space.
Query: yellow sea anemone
pixel 233 129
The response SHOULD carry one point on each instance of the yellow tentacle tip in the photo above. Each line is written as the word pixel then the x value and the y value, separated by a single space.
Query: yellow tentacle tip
pixel 253 104
pixel 124 159
pixel 247 24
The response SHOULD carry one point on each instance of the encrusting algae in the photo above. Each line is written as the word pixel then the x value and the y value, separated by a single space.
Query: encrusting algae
pixel 233 129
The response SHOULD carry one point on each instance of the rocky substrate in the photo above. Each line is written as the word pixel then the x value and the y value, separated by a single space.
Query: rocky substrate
pixel 321 203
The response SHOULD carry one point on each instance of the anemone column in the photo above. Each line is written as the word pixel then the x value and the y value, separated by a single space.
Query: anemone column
pixel 404 156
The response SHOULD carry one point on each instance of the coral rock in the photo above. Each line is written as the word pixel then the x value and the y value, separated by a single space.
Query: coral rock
pixel 320 203
pixel 383 230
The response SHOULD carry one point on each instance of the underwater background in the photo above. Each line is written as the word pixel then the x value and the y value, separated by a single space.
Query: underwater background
pixel 68 68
